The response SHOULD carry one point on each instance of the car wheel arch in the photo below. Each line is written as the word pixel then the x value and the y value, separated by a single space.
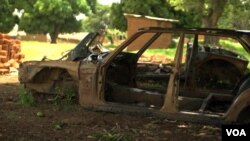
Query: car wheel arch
pixel 239 104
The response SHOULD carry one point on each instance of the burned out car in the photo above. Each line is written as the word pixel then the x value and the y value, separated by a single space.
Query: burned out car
pixel 181 74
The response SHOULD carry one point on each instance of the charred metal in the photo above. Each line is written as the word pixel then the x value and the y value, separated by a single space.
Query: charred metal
pixel 202 82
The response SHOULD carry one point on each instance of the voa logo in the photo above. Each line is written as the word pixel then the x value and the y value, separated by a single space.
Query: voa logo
pixel 236 132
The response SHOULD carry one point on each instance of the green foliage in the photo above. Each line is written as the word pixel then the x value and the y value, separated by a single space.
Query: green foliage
pixel 114 34
pixel 92 4
pixel 65 97
pixel 58 125
pixel 170 52
pixel 208 12
pixel 7 19
pixel 239 8
pixel 159 8
pixel 26 98
pixel 235 47
pixel 53 16
pixel 226 21
pixel 114 134
pixel 100 18
pixel 40 114
pixel 111 136
pixel 117 18
pixel 188 19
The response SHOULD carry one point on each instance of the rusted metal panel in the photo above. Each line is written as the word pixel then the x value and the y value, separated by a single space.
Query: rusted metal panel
pixel 171 102
pixel 114 81
pixel 88 96
pixel 241 102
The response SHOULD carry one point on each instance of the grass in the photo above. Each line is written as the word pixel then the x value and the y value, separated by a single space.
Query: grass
pixel 232 46
pixel 34 50
pixel 65 97
pixel 26 98
pixel 58 125
pixel 235 47
pixel 111 136
pixel 170 52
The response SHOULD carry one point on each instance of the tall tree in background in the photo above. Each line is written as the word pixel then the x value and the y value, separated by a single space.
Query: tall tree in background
pixel 96 20
pixel 117 18
pixel 92 4
pixel 7 19
pixel 52 16
pixel 209 10
pixel 236 15
pixel 156 8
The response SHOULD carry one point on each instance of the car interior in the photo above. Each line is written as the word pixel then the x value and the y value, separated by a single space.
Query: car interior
pixel 140 78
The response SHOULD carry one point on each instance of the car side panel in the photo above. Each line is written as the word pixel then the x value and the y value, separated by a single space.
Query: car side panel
pixel 88 76
pixel 238 105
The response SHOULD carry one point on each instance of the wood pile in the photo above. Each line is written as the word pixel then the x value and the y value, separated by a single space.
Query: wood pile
pixel 10 53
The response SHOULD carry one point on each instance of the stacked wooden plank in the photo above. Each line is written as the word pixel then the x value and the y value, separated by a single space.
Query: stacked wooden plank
pixel 10 53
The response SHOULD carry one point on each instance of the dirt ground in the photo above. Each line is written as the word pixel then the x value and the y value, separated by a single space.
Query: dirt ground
pixel 18 123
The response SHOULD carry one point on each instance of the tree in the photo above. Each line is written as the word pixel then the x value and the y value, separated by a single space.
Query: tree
pixel 209 10
pixel 117 18
pixel 239 8
pixel 187 19
pixel 157 8
pixel 52 16
pixel 92 4
pixel 97 19
pixel 7 19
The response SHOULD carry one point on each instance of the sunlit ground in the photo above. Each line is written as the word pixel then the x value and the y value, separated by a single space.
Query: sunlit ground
pixel 34 50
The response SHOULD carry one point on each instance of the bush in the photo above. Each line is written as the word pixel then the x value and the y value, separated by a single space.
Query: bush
pixel 26 98
pixel 65 97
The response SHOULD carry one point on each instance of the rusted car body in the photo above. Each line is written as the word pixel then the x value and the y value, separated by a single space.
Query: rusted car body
pixel 203 82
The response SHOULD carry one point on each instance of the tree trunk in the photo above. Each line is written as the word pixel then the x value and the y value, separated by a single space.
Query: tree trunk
pixel 53 37
pixel 54 34
pixel 211 18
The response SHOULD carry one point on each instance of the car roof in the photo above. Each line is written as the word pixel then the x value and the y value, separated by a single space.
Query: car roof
pixel 199 30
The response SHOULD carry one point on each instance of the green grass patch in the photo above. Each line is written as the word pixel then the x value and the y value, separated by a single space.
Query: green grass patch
pixel 58 125
pixel 26 98
pixel 170 52
pixel 235 47
pixel 65 97
pixel 111 136
pixel 34 50
pixel 110 46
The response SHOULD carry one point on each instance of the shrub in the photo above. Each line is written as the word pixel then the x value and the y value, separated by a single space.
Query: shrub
pixel 26 98
pixel 65 97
